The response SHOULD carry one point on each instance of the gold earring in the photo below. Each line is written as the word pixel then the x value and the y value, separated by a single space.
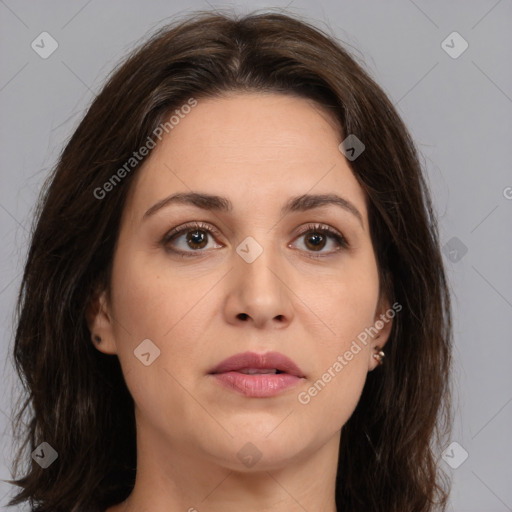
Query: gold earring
pixel 379 356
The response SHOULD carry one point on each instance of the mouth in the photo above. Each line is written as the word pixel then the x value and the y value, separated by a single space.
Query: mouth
pixel 258 375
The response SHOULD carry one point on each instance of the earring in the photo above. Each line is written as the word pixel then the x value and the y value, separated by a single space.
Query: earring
pixel 379 356
pixel 97 339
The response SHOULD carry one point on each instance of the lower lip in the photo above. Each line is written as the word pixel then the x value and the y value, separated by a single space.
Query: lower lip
pixel 260 385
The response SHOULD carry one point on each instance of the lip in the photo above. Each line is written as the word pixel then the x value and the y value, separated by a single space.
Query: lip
pixel 228 372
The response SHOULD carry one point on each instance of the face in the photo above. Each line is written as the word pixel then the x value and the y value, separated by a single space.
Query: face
pixel 267 273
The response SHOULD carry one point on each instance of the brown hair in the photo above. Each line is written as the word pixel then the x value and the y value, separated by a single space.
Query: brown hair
pixel 77 395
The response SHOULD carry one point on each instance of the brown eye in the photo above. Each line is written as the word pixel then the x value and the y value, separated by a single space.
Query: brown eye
pixel 316 237
pixel 197 239
pixel 189 239
pixel 315 241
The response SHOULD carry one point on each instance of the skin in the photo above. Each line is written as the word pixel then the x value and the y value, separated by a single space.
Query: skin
pixel 257 150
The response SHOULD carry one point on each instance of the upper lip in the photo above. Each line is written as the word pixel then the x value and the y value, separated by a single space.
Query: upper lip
pixel 269 360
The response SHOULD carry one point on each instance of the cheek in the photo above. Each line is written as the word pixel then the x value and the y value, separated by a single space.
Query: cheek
pixel 149 300
pixel 346 301
pixel 346 306
pixel 341 356
pixel 163 308
pixel 166 307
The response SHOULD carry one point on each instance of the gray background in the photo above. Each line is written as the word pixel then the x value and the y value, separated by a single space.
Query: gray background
pixel 457 109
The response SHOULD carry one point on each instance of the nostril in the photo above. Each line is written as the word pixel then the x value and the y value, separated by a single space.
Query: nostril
pixel 243 316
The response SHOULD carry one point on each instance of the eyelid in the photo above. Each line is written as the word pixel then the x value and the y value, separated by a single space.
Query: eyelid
pixel 199 225
pixel 321 228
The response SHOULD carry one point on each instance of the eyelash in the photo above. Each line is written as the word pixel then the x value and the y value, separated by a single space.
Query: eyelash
pixel 200 226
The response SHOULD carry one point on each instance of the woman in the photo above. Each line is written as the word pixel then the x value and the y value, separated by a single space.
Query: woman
pixel 234 296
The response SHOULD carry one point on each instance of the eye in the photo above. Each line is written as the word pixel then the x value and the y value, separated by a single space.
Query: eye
pixel 317 237
pixel 195 235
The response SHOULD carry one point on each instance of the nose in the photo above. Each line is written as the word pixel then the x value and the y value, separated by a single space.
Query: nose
pixel 258 293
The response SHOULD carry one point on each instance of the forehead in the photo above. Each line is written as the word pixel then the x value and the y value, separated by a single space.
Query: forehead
pixel 267 146
pixel 269 125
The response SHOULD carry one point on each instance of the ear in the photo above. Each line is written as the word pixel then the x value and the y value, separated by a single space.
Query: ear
pixel 383 322
pixel 100 322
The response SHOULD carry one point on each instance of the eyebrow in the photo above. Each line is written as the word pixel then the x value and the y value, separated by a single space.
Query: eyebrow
pixel 210 202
